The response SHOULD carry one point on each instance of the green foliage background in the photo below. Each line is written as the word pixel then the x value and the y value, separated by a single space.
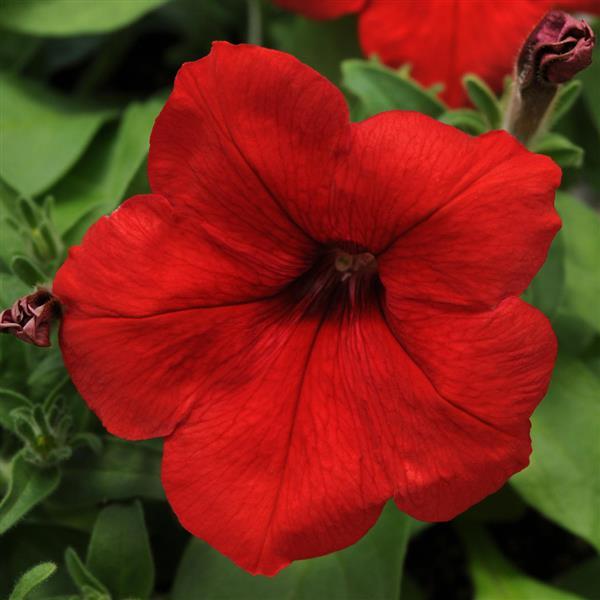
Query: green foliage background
pixel 83 514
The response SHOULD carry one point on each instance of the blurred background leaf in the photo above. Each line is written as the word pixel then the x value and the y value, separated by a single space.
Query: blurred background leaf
pixel 119 552
pixel 99 181
pixel 563 479
pixel 581 235
pixel 27 486
pixel 68 17
pixel 43 134
pixel 496 579
pixel 372 568
pixel 322 45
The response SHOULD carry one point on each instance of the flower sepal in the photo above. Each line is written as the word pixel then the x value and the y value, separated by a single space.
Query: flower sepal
pixel 491 110
pixel 46 430
pixel 380 88
pixel 559 148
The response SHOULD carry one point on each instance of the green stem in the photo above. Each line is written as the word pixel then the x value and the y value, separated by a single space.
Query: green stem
pixel 254 35
pixel 528 110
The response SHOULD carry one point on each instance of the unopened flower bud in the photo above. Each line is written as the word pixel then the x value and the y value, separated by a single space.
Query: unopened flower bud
pixel 556 50
pixel 30 317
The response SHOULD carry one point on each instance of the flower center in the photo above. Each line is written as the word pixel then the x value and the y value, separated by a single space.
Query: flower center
pixel 342 278
pixel 349 265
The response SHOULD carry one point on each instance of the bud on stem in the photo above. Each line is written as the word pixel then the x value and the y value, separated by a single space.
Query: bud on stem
pixel 30 317
pixel 556 50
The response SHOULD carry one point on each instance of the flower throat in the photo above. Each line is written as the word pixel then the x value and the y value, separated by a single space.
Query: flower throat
pixel 343 279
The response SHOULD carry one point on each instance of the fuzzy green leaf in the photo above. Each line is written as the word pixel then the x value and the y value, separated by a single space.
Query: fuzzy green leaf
pixel 564 152
pixel 28 485
pixel 379 88
pixel 30 580
pixel 82 577
pixel 122 471
pixel 27 271
pixel 565 98
pixel 465 119
pixel 484 99
pixel 9 400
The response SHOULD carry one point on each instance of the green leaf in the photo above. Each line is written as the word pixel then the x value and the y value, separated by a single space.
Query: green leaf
pixel 371 568
pixel 43 134
pixel 590 77
pixel 68 17
pixel 81 575
pixel 99 181
pixel 573 333
pixel 561 150
pixel 119 552
pixel 46 373
pixel 27 486
pixel 379 89
pixel 466 120
pixel 29 544
pixel 27 271
pixel 10 400
pixel 17 50
pixel 581 233
pixel 122 471
pixel 30 580
pixel 563 478
pixel 321 44
pixel 547 288
pixel 565 98
pixel 495 578
pixel 410 589
pixel 582 579
pixel 504 505
pixel 29 212
pixel 484 99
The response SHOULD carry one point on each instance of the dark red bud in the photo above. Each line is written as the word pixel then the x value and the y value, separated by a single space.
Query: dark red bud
pixel 30 317
pixel 556 50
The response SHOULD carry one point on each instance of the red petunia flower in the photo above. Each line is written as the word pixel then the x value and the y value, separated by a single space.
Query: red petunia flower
pixel 317 315
pixel 443 39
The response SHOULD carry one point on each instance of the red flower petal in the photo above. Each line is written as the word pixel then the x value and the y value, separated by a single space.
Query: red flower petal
pixel 490 369
pixel 133 294
pixel 323 9
pixel 591 6
pixel 445 40
pixel 249 139
pixel 154 256
pixel 299 460
pixel 452 218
